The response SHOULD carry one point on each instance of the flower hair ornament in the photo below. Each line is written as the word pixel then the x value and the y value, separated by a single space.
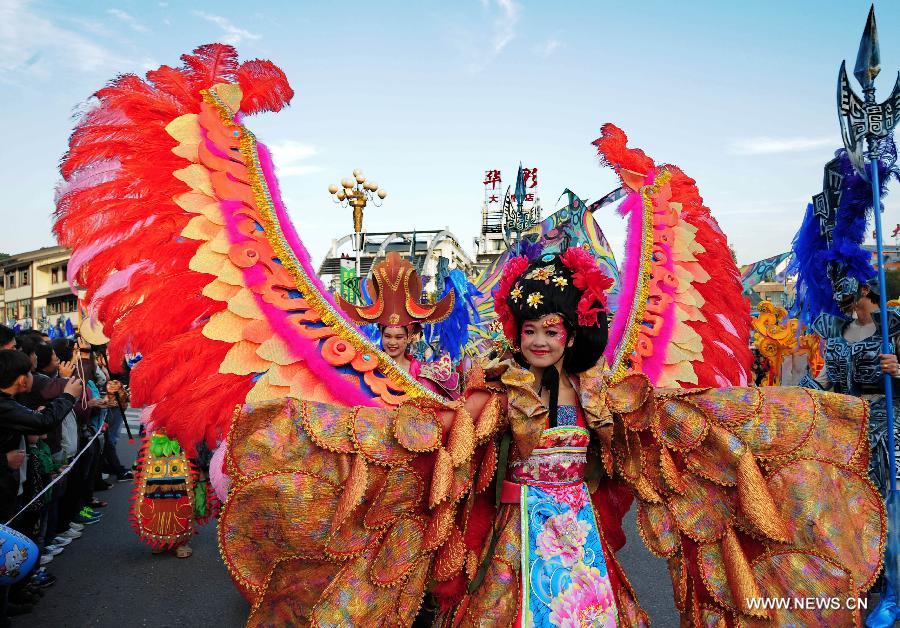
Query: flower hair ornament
pixel 531 288
pixel 514 269
pixel 588 277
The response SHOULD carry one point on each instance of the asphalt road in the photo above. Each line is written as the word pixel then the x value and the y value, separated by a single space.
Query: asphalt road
pixel 108 578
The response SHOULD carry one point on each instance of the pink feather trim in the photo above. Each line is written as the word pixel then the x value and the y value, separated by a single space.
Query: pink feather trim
pixel 301 347
pixel 630 207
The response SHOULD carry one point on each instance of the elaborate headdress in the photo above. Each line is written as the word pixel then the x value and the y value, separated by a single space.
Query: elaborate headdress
pixel 829 259
pixel 570 287
pixel 394 292
pixel 570 284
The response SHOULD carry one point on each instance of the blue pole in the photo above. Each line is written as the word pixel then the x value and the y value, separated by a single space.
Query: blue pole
pixel 887 611
pixel 882 297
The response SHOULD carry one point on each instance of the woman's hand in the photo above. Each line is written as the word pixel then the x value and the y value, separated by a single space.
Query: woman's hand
pixel 66 369
pixel 889 364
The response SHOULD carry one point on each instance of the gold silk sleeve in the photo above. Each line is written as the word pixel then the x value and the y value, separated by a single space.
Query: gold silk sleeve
pixel 367 504
pixel 751 493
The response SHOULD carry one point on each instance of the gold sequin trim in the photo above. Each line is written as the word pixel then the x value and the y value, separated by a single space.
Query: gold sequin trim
pixel 327 313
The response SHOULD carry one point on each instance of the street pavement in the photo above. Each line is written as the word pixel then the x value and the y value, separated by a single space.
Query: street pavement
pixel 110 579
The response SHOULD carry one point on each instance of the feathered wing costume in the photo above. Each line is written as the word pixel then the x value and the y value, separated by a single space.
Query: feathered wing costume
pixel 186 254
pixel 682 319
pixel 184 248
pixel 353 489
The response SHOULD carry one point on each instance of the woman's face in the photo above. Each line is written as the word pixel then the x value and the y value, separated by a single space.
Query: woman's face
pixel 544 341
pixel 861 304
pixel 394 340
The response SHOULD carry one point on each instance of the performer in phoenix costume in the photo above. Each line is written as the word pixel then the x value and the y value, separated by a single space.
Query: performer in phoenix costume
pixel 396 309
pixel 354 490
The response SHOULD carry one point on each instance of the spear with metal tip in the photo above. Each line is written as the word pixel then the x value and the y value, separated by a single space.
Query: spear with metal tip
pixel 863 123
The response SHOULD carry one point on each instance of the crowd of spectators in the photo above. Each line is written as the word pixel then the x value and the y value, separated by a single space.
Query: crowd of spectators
pixel 57 399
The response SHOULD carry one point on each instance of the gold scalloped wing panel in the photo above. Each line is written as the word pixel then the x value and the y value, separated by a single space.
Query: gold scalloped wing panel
pixel 283 332
pixel 751 490
pixel 346 497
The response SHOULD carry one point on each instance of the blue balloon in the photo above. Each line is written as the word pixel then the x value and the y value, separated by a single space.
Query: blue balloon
pixel 18 555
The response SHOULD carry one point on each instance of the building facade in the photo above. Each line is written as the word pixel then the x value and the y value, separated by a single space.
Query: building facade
pixel 424 249
pixel 36 292
pixel 491 242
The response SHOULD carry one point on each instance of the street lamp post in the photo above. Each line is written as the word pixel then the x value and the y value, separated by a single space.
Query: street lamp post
pixel 357 192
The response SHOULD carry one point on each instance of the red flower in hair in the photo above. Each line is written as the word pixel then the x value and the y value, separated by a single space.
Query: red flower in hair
pixel 514 269
pixel 587 276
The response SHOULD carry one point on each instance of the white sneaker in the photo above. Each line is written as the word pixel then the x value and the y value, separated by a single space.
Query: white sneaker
pixel 53 550
pixel 61 541
pixel 71 534
pixel 46 558
pixel 76 526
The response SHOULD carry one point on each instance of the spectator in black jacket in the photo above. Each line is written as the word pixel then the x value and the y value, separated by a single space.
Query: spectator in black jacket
pixel 17 421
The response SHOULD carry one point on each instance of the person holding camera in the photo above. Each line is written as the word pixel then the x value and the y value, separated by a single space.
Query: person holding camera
pixel 16 423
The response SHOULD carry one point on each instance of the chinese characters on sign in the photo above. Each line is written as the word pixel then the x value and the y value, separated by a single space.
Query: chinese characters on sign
pixel 492 179
pixel 503 201
pixel 492 192
pixel 493 183
pixel 349 283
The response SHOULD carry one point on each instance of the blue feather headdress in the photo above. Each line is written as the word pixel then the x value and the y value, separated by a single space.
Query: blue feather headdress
pixel 828 257
pixel 453 331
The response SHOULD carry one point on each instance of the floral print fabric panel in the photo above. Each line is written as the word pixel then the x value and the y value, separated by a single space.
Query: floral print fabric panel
pixel 564 575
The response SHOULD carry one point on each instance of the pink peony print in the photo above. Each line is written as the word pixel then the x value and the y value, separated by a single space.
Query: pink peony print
pixel 587 601
pixel 564 536
pixel 575 496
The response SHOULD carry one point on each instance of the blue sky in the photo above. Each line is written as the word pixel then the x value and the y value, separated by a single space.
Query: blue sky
pixel 424 96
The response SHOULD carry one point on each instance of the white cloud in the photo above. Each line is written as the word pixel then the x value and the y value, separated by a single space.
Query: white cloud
pixel 233 34
pixel 481 43
pixel 298 171
pixel 777 145
pixel 287 153
pixel 30 42
pixel 505 24
pixel 548 47
pixel 149 63
pixel 132 22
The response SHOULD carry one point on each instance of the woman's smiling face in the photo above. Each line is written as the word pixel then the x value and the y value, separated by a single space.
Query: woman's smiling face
pixel 544 341
pixel 394 340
